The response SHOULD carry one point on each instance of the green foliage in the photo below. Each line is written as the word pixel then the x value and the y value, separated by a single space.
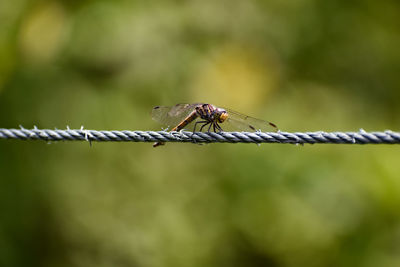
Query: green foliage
pixel 305 65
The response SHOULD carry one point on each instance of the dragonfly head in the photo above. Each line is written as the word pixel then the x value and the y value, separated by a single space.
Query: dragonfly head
pixel 222 115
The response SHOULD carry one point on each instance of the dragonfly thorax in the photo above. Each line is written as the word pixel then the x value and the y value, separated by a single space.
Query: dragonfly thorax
pixel 211 113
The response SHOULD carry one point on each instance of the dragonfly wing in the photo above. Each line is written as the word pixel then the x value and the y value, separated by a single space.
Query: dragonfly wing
pixel 172 116
pixel 238 121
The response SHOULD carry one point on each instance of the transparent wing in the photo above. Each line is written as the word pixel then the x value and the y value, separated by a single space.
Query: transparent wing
pixel 237 121
pixel 172 116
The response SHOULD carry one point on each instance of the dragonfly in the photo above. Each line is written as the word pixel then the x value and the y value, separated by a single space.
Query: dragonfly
pixel 207 115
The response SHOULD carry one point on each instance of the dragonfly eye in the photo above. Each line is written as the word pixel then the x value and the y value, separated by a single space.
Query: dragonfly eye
pixel 222 117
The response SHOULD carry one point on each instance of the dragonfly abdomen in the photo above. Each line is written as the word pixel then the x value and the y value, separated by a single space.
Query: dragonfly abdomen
pixel 191 117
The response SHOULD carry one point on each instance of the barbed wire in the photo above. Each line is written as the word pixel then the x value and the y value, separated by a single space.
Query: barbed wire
pixel 361 137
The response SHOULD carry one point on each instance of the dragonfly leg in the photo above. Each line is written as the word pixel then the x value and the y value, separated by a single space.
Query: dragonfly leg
pixel 218 127
pixel 210 127
pixel 204 125
pixel 194 130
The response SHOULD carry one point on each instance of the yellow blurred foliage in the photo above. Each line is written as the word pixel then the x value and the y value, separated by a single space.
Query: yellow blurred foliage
pixel 236 76
pixel 42 33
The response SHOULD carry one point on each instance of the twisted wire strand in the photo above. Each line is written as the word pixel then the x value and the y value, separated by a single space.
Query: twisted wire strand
pixel 361 137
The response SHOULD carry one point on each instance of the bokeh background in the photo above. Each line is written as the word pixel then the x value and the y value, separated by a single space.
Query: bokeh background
pixel 306 65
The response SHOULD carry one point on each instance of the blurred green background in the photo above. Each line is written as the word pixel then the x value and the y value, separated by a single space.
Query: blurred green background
pixel 305 65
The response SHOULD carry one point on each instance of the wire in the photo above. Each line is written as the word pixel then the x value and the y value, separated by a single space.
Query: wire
pixel 361 137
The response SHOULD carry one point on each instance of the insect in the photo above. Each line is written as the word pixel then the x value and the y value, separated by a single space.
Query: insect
pixel 203 115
